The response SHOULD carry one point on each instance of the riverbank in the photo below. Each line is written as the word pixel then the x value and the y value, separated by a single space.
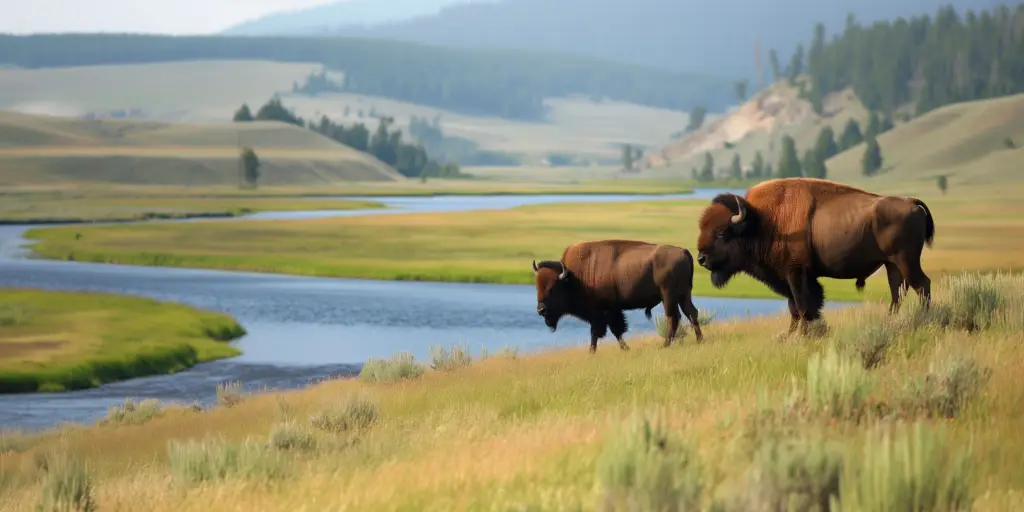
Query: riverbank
pixel 57 341
pixel 61 208
pixel 497 246
pixel 737 419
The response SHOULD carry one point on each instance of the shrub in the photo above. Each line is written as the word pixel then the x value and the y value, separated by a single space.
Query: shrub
pixel 915 471
pixel 400 366
pixel 68 485
pixel 973 302
pixel 358 413
pixel 229 394
pixel 12 441
pixel 450 359
pixel 704 317
pixel 867 341
pixel 836 385
pixel 131 414
pixel 12 314
pixel 194 462
pixel 946 389
pixel 645 468
pixel 790 474
pixel 291 436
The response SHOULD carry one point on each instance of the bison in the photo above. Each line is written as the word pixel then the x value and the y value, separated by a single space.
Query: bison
pixel 596 281
pixel 789 232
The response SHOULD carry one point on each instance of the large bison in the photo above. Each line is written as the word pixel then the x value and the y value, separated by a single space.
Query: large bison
pixel 789 232
pixel 596 281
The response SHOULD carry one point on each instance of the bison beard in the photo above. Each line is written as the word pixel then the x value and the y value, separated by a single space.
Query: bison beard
pixel 720 278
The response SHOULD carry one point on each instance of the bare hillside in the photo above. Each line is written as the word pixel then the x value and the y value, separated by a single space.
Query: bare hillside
pixel 46 150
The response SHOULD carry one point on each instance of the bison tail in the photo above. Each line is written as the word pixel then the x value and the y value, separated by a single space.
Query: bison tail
pixel 929 229
pixel 692 262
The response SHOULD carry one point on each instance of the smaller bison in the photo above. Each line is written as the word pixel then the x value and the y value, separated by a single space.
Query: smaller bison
pixel 596 281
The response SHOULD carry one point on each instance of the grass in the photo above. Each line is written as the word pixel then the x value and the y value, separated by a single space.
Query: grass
pixel 57 207
pixel 64 341
pixel 497 246
pixel 713 425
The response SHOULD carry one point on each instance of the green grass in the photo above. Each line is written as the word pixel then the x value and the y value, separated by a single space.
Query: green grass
pixel 56 341
pixel 498 246
pixel 61 207
pixel 737 421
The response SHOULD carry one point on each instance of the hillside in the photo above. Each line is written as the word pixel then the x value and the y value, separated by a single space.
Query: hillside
pixel 758 126
pixel 508 84
pixel 682 35
pixel 46 150
pixel 967 142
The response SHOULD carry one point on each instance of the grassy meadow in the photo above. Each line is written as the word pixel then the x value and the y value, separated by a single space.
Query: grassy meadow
pixel 56 341
pixel 920 411
pixel 498 246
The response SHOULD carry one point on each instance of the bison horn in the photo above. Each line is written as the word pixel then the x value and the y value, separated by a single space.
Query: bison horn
pixel 565 272
pixel 742 214
pixel 535 266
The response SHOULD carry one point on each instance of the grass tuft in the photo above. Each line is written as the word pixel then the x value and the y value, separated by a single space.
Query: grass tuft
pixel 450 359
pixel 837 385
pixel 704 317
pixel 973 302
pixel 947 389
pixel 291 436
pixel 790 474
pixel 400 366
pixel 647 468
pixel 131 414
pixel 68 486
pixel 357 413
pixel 194 462
pixel 229 394
pixel 915 470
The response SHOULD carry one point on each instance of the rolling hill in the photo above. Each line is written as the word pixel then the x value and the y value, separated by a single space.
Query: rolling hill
pixel 682 35
pixel 969 142
pixel 349 12
pixel 39 150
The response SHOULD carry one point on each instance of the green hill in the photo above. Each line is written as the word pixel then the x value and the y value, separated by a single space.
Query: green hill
pixel 969 142
pixel 37 150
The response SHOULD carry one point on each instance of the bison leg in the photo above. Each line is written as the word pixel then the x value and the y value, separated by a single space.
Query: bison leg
pixel 686 304
pixel 808 297
pixel 617 324
pixel 897 286
pixel 910 266
pixel 673 315
pixel 598 329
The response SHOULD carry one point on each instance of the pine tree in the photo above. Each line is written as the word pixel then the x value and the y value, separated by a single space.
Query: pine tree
pixel 243 114
pixel 789 162
pixel 757 166
pixel 825 147
pixel 736 169
pixel 871 162
pixel 851 135
pixel 874 126
pixel 707 173
pixel 814 166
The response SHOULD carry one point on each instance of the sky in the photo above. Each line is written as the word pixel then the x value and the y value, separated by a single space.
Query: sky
pixel 151 16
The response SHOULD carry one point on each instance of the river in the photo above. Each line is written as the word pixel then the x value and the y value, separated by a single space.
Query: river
pixel 304 329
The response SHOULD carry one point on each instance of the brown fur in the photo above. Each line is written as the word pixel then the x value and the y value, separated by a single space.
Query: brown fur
pixel 800 229
pixel 606 277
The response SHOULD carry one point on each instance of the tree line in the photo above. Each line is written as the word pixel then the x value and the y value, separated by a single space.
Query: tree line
pixel 387 145
pixel 912 66
pixel 812 164
pixel 509 84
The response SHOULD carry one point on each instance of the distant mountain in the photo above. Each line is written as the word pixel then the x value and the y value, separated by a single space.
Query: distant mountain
pixel 325 18
pixel 682 35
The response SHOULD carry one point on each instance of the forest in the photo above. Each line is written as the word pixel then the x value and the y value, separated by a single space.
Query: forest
pixel 504 83
pixel 908 67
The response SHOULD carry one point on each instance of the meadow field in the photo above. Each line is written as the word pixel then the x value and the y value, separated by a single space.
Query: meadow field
pixel 973 232
pixel 55 341
pixel 918 411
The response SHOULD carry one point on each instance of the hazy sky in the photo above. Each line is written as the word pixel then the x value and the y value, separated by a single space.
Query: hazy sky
pixel 157 16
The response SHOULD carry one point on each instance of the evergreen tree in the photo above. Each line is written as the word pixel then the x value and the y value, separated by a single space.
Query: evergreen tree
pixel 757 166
pixel 250 164
pixel 243 114
pixel 826 146
pixel 707 173
pixel 736 169
pixel 697 115
pixel 627 157
pixel 874 126
pixel 789 162
pixel 813 166
pixel 851 135
pixel 886 123
pixel 871 162
pixel 943 183
pixel 796 64
pixel 741 89
pixel 773 61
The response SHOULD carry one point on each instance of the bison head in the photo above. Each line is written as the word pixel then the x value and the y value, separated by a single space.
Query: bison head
pixel 552 291
pixel 726 229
